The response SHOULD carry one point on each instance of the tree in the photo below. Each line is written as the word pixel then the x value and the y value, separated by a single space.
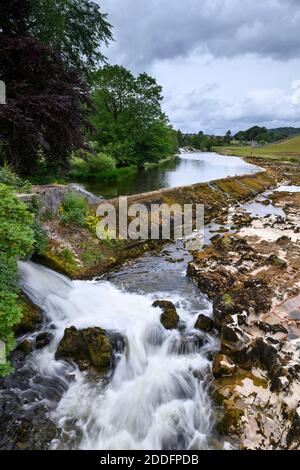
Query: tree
pixel 75 29
pixel 14 17
pixel 46 106
pixel 227 137
pixel 129 122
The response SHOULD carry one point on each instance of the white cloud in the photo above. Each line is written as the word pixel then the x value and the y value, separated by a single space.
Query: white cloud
pixel 223 64
pixel 296 95
pixel 211 112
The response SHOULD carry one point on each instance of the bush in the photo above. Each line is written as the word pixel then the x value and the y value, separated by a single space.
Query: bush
pixel 74 209
pixel 10 178
pixel 101 163
pixel 16 242
pixel 92 164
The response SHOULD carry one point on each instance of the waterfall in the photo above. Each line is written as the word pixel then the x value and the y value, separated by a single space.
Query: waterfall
pixel 157 397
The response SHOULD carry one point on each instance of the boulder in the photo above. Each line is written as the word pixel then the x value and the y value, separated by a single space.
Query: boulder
pixel 274 260
pixel 25 347
pixel 254 297
pixel 223 366
pixel 211 282
pixel 43 339
pixel 31 317
pixel 169 318
pixel 89 348
pixel 204 323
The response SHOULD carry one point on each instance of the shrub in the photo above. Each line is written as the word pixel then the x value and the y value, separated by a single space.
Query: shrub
pixel 91 165
pixel 74 209
pixel 16 242
pixel 10 178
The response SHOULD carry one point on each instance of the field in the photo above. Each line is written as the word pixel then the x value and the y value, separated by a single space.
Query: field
pixel 287 150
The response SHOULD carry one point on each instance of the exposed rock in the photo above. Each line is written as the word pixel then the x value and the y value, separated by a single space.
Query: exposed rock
pixel 293 436
pixel 89 348
pixel 223 366
pixel 253 278
pixel 31 317
pixel 25 347
pixel 27 398
pixel 204 323
pixel 254 298
pixel 169 318
pixel 275 261
pixel 210 282
pixel 231 420
pixel 242 219
pixel 43 339
pixel 283 241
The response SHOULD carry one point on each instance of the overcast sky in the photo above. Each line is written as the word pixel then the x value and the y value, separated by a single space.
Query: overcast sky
pixel 223 64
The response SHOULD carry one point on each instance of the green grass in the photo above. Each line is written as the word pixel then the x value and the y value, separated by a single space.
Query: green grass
pixel 287 150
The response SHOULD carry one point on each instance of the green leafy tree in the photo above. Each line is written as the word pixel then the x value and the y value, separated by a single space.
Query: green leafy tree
pixel 227 137
pixel 76 29
pixel 129 122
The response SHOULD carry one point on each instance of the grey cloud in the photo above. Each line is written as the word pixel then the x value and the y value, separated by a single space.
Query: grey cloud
pixel 194 111
pixel 147 31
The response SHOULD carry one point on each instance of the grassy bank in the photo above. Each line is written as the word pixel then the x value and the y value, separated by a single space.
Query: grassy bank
pixel 288 150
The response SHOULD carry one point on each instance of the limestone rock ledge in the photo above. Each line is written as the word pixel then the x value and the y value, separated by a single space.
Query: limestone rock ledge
pixel 253 279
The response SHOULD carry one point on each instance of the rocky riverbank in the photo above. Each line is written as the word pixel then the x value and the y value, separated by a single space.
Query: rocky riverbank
pixel 253 279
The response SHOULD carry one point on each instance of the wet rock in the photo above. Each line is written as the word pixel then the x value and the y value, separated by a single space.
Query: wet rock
pixel 283 241
pixel 169 318
pixel 31 317
pixel 25 347
pixel 211 282
pixel 43 339
pixel 274 260
pixel 223 366
pixel 254 297
pixel 276 330
pixel 89 348
pixel 265 355
pixel 234 342
pixel 204 323
pixel 242 220
pixel 231 420
pixel 24 434
pixel 293 436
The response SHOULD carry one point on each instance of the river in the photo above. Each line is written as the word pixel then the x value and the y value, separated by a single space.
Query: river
pixel 158 396
pixel 188 168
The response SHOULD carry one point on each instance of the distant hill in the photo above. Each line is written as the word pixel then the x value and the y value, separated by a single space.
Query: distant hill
pixel 287 150
pixel 288 131
pixel 262 135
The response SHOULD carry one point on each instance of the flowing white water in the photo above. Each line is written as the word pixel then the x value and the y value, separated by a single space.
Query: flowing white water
pixel 157 397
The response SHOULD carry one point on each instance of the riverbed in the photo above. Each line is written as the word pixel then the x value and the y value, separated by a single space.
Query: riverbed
pixel 158 395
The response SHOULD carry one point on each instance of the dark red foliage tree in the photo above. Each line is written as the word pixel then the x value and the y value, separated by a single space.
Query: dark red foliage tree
pixel 46 106
pixel 14 16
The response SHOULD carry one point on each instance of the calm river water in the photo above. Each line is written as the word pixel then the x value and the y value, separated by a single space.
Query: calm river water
pixel 188 168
